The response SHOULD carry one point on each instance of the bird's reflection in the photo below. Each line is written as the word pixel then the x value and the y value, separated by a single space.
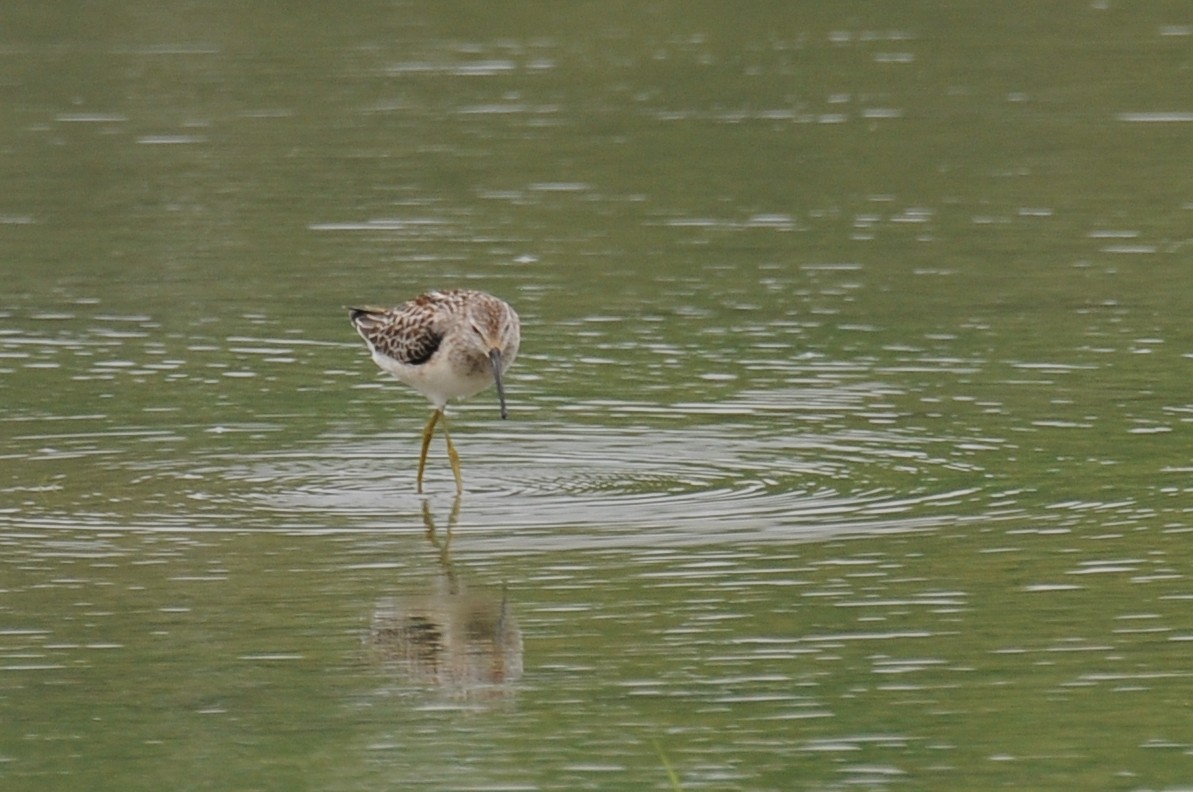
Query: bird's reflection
pixel 464 643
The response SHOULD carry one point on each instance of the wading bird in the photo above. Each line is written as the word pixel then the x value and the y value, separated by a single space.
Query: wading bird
pixel 448 345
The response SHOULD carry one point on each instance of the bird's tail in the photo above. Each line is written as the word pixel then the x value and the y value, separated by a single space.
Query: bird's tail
pixel 365 317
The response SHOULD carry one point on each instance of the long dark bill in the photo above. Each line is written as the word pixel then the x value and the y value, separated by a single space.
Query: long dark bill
pixel 495 359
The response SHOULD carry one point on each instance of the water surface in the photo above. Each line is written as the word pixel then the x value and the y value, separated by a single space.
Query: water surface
pixel 848 442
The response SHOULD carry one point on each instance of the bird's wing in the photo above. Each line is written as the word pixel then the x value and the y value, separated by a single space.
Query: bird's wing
pixel 407 333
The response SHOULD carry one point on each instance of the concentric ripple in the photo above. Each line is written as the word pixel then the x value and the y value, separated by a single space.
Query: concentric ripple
pixel 693 483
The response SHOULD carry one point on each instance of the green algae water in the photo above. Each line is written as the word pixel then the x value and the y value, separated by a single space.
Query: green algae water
pixel 848 442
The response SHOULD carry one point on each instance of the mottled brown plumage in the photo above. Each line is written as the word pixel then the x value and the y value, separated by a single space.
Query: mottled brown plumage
pixel 408 336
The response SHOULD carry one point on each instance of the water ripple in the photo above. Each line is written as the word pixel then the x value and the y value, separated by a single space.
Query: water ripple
pixel 693 483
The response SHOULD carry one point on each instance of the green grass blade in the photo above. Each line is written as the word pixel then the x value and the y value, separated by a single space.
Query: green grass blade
pixel 667 765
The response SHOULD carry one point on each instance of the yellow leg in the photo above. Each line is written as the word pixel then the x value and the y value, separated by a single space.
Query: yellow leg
pixel 453 457
pixel 422 457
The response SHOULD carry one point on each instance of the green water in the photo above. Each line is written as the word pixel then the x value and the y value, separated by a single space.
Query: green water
pixel 848 443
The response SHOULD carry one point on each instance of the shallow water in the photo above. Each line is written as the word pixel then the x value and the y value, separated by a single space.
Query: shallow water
pixel 848 440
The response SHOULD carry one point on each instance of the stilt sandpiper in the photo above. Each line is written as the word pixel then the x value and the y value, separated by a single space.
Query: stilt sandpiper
pixel 447 344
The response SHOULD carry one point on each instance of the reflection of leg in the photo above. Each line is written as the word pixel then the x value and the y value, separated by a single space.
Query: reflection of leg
pixel 454 458
pixel 427 433
pixel 444 547
pixel 432 536
pixel 429 521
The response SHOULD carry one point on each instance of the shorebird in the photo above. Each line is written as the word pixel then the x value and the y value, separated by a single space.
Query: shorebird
pixel 449 345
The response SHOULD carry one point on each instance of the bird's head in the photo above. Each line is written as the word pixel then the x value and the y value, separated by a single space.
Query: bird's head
pixel 494 333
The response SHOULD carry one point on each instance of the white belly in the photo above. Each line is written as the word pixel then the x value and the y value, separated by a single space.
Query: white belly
pixel 436 379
